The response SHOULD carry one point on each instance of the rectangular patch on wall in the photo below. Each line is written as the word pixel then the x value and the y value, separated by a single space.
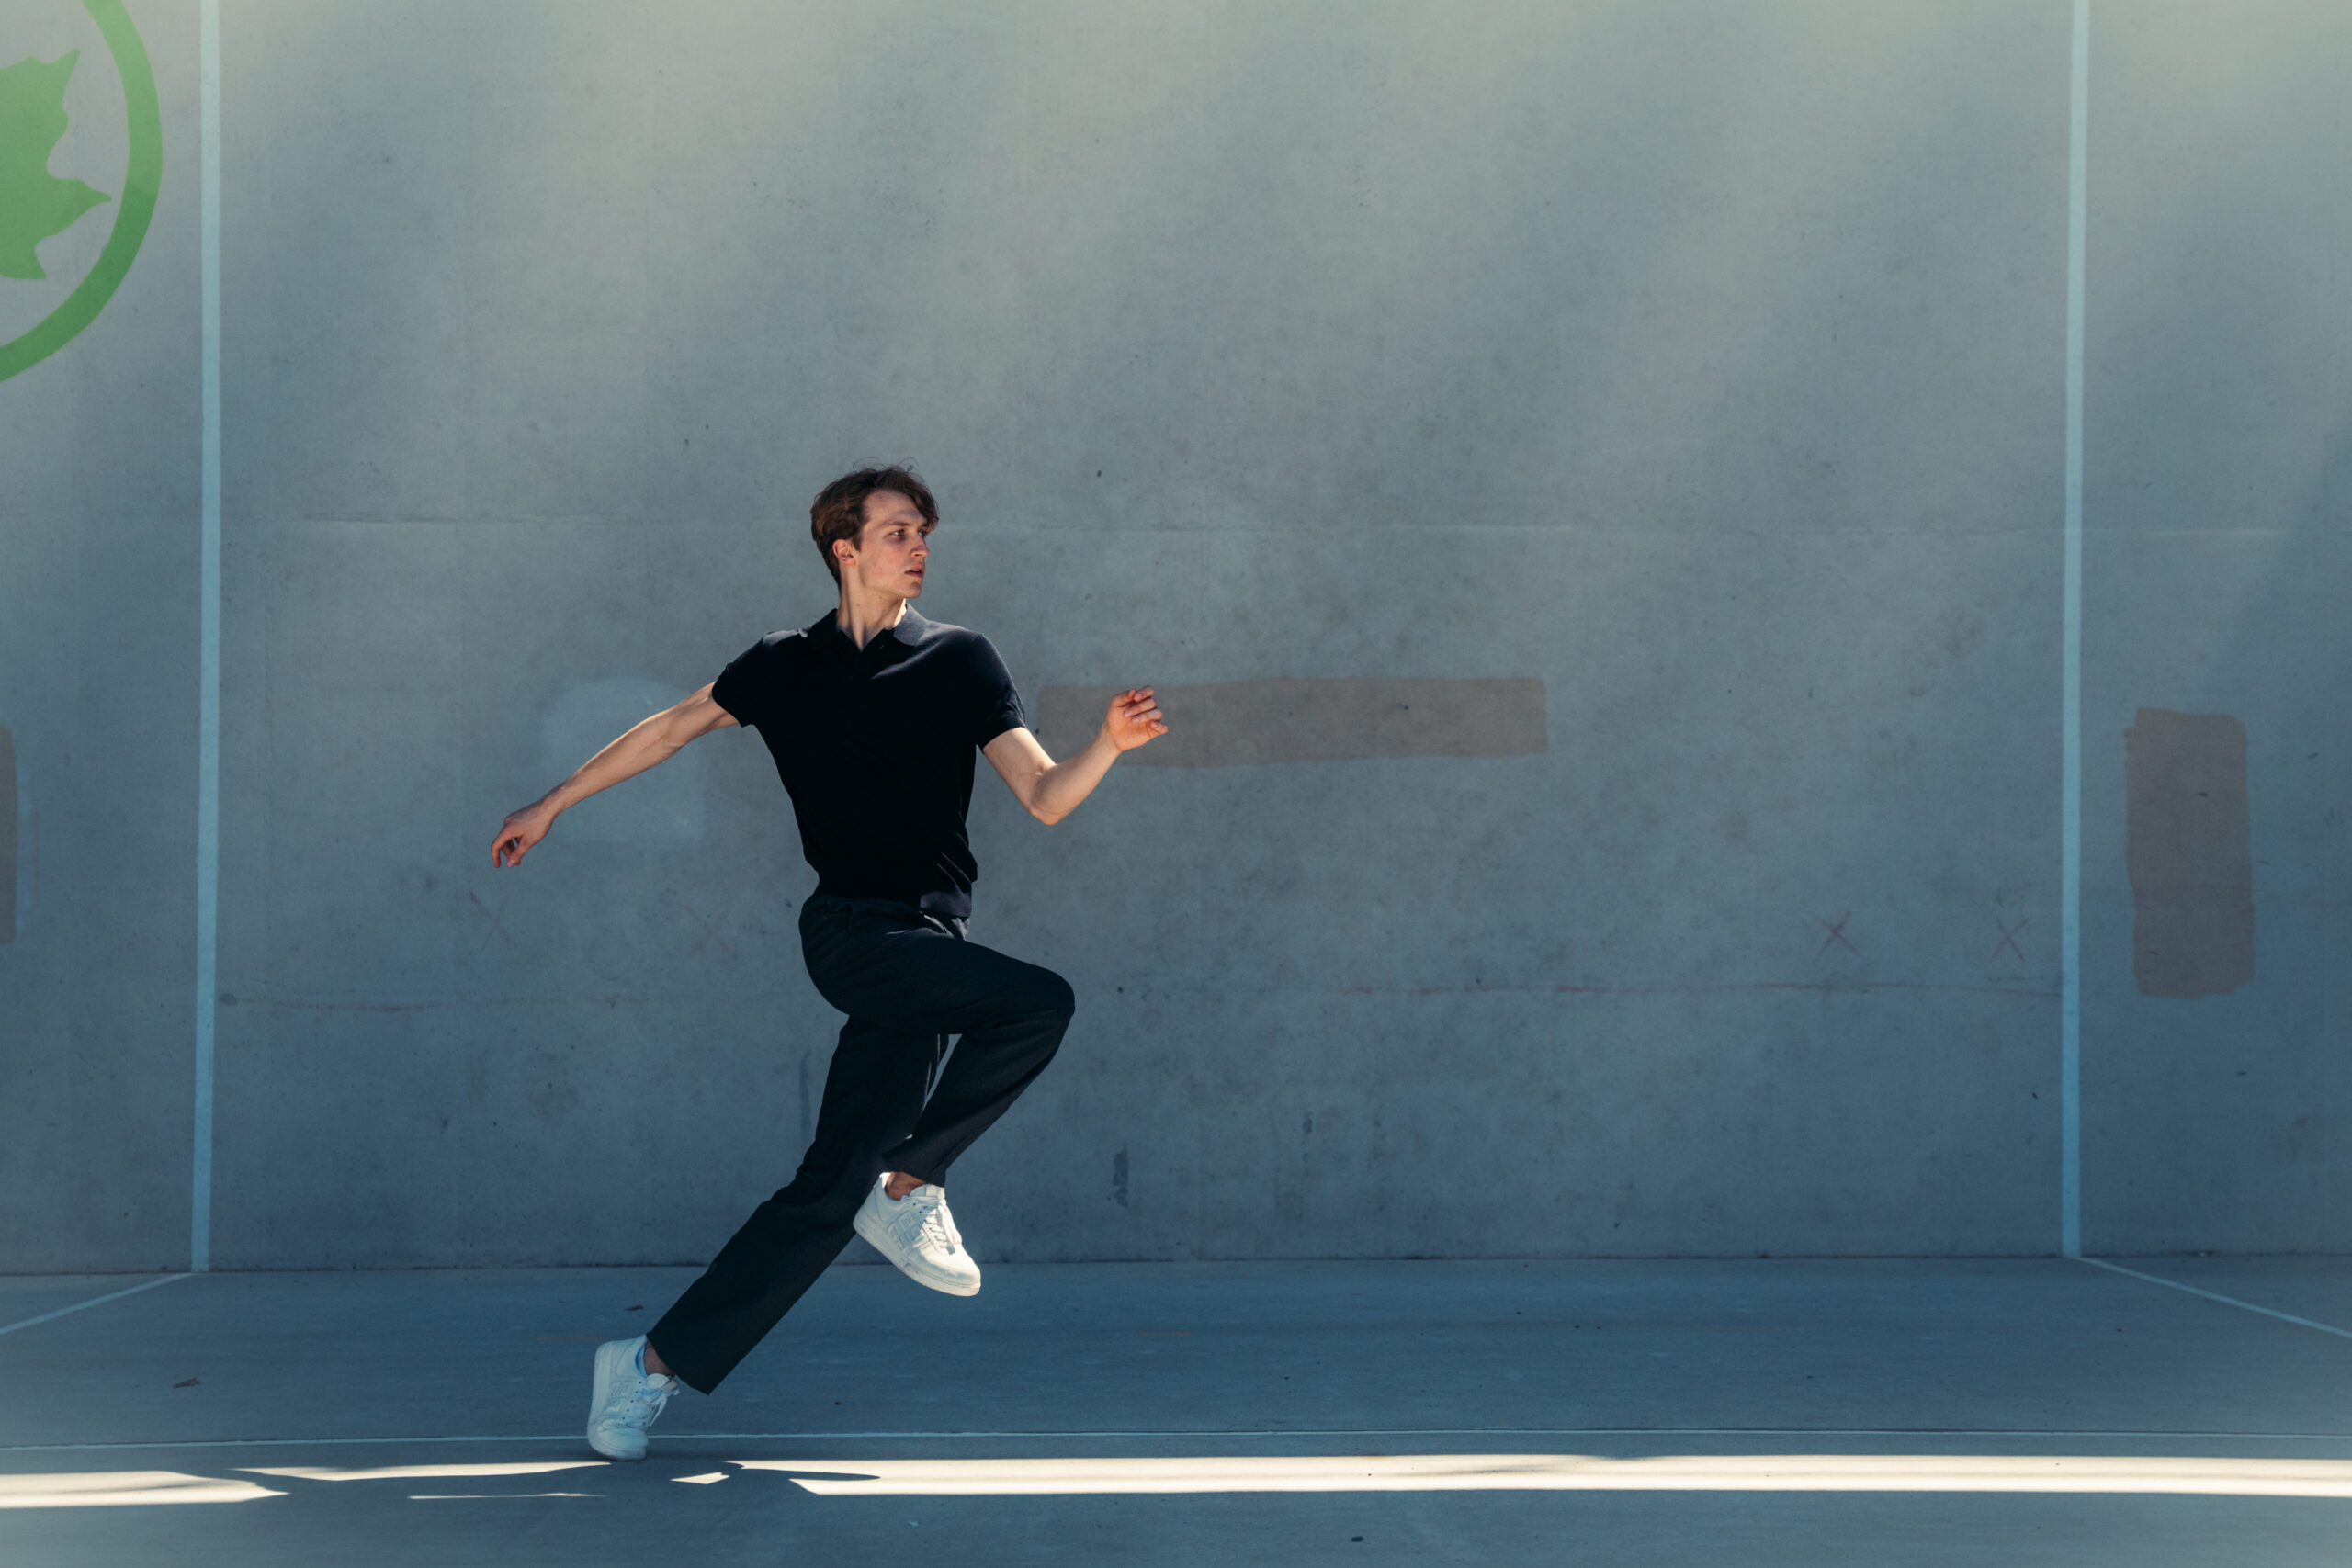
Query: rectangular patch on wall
pixel 2189 848
pixel 7 835
pixel 1281 719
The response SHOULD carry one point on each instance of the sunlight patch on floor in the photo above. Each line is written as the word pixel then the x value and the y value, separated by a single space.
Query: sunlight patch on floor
pixel 1572 1472
pixel 118 1488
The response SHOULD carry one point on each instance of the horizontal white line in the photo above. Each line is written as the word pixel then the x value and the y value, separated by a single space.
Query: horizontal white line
pixel 2217 1296
pixel 668 1439
pixel 1063 1477
pixel 93 1300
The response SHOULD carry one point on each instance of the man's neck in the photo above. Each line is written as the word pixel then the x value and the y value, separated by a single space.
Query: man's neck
pixel 864 616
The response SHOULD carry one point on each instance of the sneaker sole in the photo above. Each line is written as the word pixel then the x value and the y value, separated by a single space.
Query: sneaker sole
pixel 948 1287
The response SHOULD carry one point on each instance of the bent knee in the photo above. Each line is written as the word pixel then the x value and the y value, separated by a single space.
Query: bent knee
pixel 1054 996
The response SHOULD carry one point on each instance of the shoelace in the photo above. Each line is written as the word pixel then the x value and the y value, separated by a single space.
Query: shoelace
pixel 932 1225
pixel 646 1400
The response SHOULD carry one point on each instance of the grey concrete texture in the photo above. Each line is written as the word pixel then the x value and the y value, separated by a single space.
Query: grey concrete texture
pixel 1699 361
pixel 2217 483
pixel 223 1378
pixel 1391 373
pixel 98 498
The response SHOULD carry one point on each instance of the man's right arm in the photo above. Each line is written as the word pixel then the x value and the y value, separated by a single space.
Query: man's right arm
pixel 657 740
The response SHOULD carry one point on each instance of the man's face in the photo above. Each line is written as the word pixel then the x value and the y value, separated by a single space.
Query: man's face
pixel 893 543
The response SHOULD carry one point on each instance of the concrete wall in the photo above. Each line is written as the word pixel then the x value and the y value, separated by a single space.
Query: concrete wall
pixel 1701 362
pixel 2217 571
pixel 99 624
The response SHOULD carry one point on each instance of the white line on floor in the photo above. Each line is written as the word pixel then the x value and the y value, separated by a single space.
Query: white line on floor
pixel 675 1438
pixel 93 1300
pixel 2217 1296
pixel 2187 1476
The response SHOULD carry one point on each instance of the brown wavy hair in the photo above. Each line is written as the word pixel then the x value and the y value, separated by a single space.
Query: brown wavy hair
pixel 839 510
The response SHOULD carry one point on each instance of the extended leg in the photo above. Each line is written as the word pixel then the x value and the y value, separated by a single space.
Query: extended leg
pixel 907 983
pixel 872 1094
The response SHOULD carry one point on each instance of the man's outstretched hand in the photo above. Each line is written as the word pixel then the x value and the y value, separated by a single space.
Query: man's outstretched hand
pixel 1134 718
pixel 521 830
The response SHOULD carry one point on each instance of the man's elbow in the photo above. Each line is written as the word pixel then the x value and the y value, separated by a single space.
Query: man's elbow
pixel 1048 818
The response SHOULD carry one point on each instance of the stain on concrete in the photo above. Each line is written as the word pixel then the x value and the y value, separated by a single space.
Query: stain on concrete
pixel 1284 720
pixel 2008 942
pixel 1119 1178
pixel 1834 933
pixel 2188 847
pixel 7 835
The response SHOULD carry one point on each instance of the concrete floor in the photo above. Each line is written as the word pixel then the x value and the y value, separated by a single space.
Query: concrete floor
pixel 1792 1411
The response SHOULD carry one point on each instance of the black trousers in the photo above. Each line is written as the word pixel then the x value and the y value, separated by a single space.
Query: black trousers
pixel 908 980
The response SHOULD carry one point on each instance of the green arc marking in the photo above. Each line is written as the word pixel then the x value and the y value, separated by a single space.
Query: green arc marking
pixel 141 185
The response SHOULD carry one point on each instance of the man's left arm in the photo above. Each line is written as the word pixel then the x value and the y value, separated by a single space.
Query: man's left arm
pixel 1050 790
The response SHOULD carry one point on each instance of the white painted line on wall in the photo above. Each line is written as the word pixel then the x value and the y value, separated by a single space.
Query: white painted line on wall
pixel 2070 791
pixel 2217 1296
pixel 208 755
pixel 94 1301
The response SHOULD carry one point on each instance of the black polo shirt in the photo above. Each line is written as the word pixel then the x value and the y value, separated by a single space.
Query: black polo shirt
pixel 875 746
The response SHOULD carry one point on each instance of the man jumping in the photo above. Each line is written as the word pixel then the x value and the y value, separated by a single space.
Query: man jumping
pixel 872 714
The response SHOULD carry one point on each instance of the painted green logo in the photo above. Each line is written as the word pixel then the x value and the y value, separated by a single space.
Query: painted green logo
pixel 36 205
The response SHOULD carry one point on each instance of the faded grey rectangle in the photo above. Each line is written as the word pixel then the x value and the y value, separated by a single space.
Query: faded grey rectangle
pixel 7 835
pixel 1285 719
pixel 2189 848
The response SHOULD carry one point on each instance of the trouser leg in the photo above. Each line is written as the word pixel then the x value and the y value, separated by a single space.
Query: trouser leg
pixel 873 1092
pixel 906 984
pixel 925 976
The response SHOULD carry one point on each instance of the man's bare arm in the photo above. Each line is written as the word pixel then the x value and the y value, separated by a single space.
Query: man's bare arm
pixel 1050 790
pixel 657 740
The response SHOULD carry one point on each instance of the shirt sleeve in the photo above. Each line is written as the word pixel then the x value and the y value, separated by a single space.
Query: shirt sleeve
pixel 741 688
pixel 996 706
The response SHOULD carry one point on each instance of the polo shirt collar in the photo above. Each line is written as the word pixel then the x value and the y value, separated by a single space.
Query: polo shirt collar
pixel 909 633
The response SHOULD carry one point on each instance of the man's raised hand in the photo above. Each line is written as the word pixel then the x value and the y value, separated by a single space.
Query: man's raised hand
pixel 518 834
pixel 1134 718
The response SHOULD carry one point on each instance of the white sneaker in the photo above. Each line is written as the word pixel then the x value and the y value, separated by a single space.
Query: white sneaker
pixel 625 1400
pixel 919 1234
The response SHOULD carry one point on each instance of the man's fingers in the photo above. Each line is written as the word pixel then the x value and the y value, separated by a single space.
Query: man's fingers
pixel 1135 708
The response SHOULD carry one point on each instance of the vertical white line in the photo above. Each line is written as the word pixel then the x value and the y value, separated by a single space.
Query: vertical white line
pixel 2070 836
pixel 208 756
